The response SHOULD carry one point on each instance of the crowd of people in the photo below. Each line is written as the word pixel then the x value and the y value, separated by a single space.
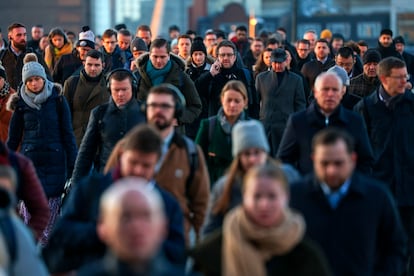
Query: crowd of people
pixel 205 154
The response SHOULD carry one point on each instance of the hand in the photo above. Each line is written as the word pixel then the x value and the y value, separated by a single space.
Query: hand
pixel 215 68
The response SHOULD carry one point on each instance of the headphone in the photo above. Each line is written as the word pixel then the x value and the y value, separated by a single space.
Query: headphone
pixel 179 99
pixel 134 80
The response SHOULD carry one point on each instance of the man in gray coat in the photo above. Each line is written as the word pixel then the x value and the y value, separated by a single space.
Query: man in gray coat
pixel 282 94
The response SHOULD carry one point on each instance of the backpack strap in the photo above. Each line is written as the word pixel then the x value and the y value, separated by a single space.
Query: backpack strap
pixel 2 54
pixel 192 155
pixel 73 84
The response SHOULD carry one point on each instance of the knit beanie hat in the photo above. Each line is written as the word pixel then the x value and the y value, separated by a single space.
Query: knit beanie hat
pixel 198 45
pixel 2 72
pixel 371 55
pixel 248 134
pixel 138 44
pixel 32 69
pixel 86 38
pixel 341 73
pixel 326 34
pixel 399 39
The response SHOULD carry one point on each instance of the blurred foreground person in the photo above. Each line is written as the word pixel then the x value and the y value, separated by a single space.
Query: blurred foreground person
pixel 133 225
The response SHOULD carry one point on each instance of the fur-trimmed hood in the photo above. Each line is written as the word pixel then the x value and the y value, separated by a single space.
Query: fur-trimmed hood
pixel 15 97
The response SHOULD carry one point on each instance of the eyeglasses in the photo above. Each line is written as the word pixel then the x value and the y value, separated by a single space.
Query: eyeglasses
pixel 406 77
pixel 304 50
pixel 225 55
pixel 163 106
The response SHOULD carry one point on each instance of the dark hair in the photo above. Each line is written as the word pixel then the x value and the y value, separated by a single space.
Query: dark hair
pixel 57 31
pixel 362 43
pixel 186 36
pixel 108 33
pixel 168 89
pixel 322 40
pixel 241 28
pixel 173 28
pixel 272 40
pixel 282 30
pixel 124 32
pixel 38 26
pixel 15 26
pixel 143 138
pixel 160 43
pixel 119 27
pixel 226 43
pixel 95 54
pixel 190 32
pixel 387 64
pixel 304 41
pixel 220 34
pixel 354 46
pixel 120 75
pixel 345 52
pixel 330 136
pixel 337 36
pixel 144 28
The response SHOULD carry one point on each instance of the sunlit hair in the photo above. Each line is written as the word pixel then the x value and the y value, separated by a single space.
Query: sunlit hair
pixel 267 170
pixel 235 85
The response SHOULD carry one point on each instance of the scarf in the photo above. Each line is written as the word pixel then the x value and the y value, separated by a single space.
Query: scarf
pixel 247 247
pixel 35 100
pixel 53 54
pixel 225 125
pixel 5 90
pixel 157 76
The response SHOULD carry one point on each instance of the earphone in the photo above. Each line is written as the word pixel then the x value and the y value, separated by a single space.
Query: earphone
pixel 179 99
pixel 134 81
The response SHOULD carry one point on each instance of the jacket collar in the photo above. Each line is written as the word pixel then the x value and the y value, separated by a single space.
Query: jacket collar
pixel 315 116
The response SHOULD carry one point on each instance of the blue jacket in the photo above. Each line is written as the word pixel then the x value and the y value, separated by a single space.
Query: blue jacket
pixel 46 137
pixel 74 240
pixel 363 235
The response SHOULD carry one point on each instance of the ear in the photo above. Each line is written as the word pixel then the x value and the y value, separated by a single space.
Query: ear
pixel 354 157
pixel 101 230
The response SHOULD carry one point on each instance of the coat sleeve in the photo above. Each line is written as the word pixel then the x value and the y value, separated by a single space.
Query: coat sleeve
pixel 364 149
pixel 74 235
pixel 193 102
pixel 213 221
pixel 288 150
pixel 392 240
pixel 300 98
pixel 33 196
pixel 68 136
pixel 203 136
pixel 88 148
pixel 199 192
pixel 16 127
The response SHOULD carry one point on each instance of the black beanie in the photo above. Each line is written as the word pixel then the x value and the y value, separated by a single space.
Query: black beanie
pixel 386 32
pixel 198 45
pixel 371 55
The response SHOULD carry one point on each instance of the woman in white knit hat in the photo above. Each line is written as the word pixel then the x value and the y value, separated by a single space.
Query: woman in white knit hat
pixel 41 129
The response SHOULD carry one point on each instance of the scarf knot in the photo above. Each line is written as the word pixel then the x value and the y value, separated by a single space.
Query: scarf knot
pixel 157 76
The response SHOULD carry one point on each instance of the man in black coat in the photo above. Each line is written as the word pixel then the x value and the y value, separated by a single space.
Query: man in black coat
pixel 326 110
pixel 352 217
pixel 389 116
pixel 74 240
pixel 223 70
pixel 281 93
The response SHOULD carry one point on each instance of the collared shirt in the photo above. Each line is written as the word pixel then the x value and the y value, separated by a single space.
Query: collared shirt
pixel 323 60
pixel 164 149
pixel 334 197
